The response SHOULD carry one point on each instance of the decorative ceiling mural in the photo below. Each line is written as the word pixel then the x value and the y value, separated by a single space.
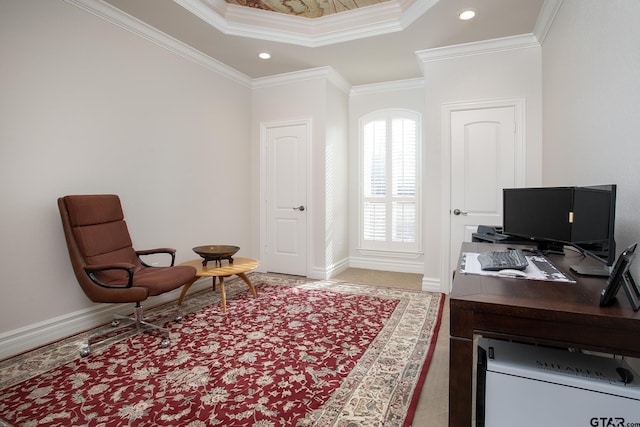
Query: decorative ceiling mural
pixel 306 8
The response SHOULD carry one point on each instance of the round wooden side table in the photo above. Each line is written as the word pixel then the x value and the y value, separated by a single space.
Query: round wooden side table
pixel 239 267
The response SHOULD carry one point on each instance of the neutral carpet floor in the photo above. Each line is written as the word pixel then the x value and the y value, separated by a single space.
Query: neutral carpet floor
pixel 433 406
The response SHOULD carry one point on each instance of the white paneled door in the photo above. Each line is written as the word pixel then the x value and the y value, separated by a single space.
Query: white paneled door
pixel 484 159
pixel 286 198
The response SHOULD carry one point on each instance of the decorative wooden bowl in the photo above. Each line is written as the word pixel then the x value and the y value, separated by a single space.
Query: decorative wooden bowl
pixel 216 253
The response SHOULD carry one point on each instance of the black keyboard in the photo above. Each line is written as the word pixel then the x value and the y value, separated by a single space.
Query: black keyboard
pixel 501 260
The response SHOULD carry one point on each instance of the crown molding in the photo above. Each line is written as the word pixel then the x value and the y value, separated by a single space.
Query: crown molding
pixel 414 9
pixel 326 73
pixel 338 81
pixel 378 19
pixel 523 41
pixel 127 22
pixel 398 85
pixel 546 17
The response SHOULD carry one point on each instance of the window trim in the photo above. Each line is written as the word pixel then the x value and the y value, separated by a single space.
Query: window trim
pixel 387 248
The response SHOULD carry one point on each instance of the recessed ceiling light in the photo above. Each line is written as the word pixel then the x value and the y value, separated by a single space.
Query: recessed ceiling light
pixel 264 55
pixel 467 14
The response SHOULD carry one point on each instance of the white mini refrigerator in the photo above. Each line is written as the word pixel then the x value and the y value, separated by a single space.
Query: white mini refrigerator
pixel 525 385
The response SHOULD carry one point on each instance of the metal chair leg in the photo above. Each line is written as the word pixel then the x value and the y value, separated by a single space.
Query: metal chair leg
pixel 121 322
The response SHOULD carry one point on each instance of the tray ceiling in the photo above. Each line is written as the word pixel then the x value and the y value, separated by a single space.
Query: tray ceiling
pixel 306 8
pixel 373 43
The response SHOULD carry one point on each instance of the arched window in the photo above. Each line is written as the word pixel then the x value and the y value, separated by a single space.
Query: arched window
pixel 390 181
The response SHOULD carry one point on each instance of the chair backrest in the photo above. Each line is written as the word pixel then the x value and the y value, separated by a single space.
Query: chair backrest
pixel 96 233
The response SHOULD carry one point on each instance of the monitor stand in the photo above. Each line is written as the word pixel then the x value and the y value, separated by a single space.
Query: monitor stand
pixel 550 248
pixel 592 270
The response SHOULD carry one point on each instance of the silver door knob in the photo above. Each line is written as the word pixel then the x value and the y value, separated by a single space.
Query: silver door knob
pixel 299 208
pixel 459 212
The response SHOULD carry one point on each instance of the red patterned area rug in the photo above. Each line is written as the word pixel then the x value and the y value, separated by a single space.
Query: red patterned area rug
pixel 304 353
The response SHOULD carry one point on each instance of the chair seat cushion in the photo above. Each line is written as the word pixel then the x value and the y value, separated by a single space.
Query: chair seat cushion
pixel 163 279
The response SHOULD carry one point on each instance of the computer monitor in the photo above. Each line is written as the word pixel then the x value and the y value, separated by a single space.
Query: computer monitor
pixel 551 217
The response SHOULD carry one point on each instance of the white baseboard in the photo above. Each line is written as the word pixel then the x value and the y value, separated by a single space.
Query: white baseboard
pixel 338 268
pixel 41 333
pixel 431 284
pixel 327 273
pixel 396 265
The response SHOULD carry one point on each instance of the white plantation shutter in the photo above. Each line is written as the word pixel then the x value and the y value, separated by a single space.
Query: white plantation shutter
pixel 404 222
pixel 375 224
pixel 389 203
pixel 375 154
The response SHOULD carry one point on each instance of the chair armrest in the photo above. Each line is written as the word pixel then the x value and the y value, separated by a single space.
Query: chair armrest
pixel 91 271
pixel 169 251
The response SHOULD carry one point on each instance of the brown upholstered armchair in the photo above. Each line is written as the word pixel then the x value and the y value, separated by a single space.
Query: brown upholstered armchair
pixel 106 265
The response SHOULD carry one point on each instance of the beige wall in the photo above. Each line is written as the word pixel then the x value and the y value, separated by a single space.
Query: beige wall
pixel 336 239
pixel 325 105
pixel 87 107
pixel 591 92
pixel 505 74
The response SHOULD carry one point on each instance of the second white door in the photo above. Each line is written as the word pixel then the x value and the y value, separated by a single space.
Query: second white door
pixel 483 162
pixel 286 198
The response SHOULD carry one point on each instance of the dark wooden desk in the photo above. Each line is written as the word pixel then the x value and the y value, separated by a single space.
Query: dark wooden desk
pixel 552 313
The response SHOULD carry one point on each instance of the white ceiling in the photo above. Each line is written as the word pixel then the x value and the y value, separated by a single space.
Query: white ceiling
pixel 373 44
